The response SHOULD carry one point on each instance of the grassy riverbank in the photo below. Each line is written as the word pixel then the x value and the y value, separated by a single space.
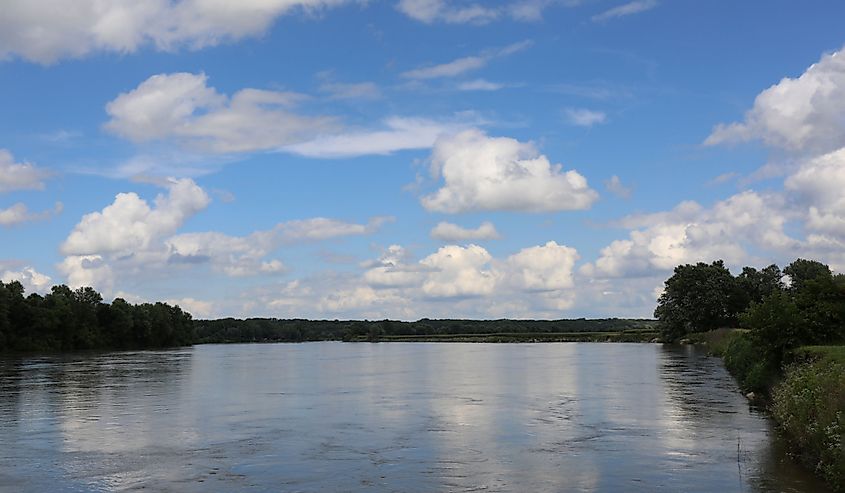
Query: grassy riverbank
pixel 806 397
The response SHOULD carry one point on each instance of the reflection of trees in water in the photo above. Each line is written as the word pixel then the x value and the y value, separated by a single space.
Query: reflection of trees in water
pixel 704 397
pixel 85 387
pixel 700 390
pixel 87 379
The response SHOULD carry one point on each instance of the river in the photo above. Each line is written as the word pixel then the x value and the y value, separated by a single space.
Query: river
pixel 404 417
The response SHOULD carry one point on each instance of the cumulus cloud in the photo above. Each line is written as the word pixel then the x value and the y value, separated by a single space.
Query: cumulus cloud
pixel 544 268
pixel 449 232
pixel 463 65
pixel 130 223
pixel 539 276
pixel 801 114
pixel 133 239
pixel 127 231
pixel 626 9
pixel 197 308
pixel 453 281
pixel 457 271
pixel 182 107
pixel 582 117
pixel 393 269
pixel 818 185
pixel 20 213
pixel 45 31
pixel 482 173
pixel 690 233
pixel 19 176
pixel 32 280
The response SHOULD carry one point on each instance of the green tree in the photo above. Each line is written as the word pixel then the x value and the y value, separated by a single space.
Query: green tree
pixel 757 284
pixel 801 271
pixel 699 298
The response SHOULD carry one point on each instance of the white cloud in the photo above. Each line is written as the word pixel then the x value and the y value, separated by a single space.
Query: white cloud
pixel 321 228
pixel 45 31
pixel 479 13
pixel 449 232
pixel 624 10
pixel 463 65
pixel 239 256
pixel 584 117
pixel 399 134
pixel 393 270
pixel 454 281
pixel 818 185
pixel 615 186
pixel 19 176
pixel 132 241
pixel 451 69
pixel 130 223
pixel 480 85
pixel 20 213
pixel 457 271
pixel 197 308
pixel 544 268
pixel 482 173
pixel 127 232
pixel 691 233
pixel 801 115
pixel 32 280
pixel 182 107
pixel 430 11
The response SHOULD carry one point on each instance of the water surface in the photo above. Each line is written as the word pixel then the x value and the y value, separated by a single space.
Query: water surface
pixel 410 417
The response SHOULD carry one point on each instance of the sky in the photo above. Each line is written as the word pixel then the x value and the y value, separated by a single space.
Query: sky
pixel 351 159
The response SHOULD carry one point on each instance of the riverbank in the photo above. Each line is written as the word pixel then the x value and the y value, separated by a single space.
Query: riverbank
pixel 522 337
pixel 806 398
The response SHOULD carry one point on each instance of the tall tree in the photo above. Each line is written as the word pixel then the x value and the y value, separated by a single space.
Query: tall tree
pixel 699 298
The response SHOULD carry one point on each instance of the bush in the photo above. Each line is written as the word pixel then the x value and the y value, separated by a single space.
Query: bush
pixel 809 407
pixel 746 363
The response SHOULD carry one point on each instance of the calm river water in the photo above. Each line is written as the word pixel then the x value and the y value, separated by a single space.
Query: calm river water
pixel 415 417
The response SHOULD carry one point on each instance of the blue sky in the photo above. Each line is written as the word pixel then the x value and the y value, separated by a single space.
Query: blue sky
pixel 415 158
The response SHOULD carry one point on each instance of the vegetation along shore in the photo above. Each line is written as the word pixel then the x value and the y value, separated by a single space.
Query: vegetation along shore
pixel 787 351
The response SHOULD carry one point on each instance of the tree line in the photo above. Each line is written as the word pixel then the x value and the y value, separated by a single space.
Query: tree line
pixel 69 320
pixel 299 330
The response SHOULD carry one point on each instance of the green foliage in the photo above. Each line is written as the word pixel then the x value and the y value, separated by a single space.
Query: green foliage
pixel 67 320
pixel 703 297
pixel 699 298
pixel 743 360
pixel 802 271
pixel 756 285
pixel 811 311
pixel 809 406
pixel 776 324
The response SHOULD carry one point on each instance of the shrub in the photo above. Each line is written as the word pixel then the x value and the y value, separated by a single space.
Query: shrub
pixel 809 407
